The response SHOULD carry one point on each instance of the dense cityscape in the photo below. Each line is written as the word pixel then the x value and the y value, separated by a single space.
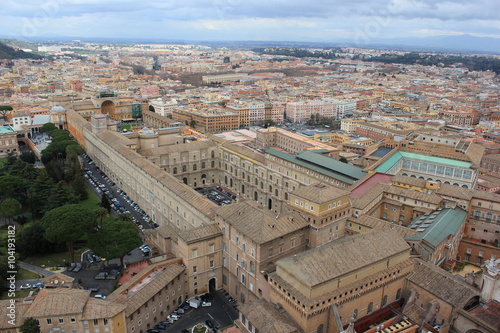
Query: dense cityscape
pixel 194 188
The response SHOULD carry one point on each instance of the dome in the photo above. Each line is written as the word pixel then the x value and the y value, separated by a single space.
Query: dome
pixel 58 108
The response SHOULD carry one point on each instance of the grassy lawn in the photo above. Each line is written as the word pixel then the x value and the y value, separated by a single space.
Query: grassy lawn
pixel 54 259
pixel 3 160
pixel 23 274
pixel 19 294
pixel 200 328
pixel 125 127
pixel 92 202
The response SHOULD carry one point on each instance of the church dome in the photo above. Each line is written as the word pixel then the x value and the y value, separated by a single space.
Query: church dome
pixel 57 108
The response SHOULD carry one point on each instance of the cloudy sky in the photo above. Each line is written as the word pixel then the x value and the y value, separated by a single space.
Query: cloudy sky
pixel 290 20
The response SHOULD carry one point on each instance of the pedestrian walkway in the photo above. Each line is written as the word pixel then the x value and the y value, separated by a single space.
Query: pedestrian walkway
pixel 35 269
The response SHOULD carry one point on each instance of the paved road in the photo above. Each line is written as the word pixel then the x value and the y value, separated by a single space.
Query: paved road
pixel 35 269
pixel 221 313
pixel 99 175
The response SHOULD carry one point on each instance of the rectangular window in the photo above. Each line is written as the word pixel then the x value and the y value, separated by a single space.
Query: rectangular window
pixel 194 253
pixel 211 247
pixel 61 320
pixel 96 322
pixel 212 264
pixel 49 321
pixel 195 269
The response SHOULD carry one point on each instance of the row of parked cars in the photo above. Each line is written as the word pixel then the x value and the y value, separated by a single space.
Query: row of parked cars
pixel 31 286
pixel 171 318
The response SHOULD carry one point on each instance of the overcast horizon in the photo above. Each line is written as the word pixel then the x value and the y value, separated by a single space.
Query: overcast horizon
pixel 359 21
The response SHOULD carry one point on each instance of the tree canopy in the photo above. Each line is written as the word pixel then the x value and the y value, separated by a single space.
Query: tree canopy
pixel 67 224
pixel 30 325
pixel 115 239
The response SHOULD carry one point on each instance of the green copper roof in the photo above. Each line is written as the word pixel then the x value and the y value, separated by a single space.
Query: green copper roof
pixel 322 164
pixel 391 161
pixel 6 129
pixel 436 226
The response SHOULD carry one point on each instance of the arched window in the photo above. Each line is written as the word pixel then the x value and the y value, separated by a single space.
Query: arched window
pixel 212 164
pixel 213 154
pixel 184 168
pixel 194 167
pixel 175 171
pixel 384 300
pixel 203 165
pixel 370 308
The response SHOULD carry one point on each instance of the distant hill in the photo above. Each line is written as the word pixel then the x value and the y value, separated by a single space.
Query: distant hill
pixel 465 43
pixel 18 44
pixel 7 52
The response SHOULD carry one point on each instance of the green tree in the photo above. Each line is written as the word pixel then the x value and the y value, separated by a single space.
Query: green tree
pixel 127 217
pixel 31 241
pixel 23 169
pixel 105 203
pixel 9 208
pixel 61 195
pixel 4 109
pixel 4 267
pixel 40 191
pixel 48 127
pixel 54 168
pixel 78 186
pixel 101 212
pixel 67 224
pixel 30 325
pixel 28 157
pixel 343 159
pixel 115 239
pixel 13 187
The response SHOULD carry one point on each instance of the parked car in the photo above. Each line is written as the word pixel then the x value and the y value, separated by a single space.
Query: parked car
pixel 206 304
pixel 100 296
pixel 25 286
pixel 209 323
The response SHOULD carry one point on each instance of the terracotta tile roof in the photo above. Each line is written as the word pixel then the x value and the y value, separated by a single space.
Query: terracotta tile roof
pixel 376 223
pixel 489 312
pixel 267 319
pixel 203 232
pixel 142 287
pixel 172 149
pixel 369 196
pixel 21 309
pixel 57 302
pixel 100 308
pixel 442 284
pixel 342 256
pixel 320 193
pixel 259 224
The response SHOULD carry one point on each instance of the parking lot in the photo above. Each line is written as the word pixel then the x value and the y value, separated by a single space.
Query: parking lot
pixel 119 200
pixel 217 194
pixel 221 313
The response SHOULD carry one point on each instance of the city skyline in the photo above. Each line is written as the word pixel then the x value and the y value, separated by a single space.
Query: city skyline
pixel 362 22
